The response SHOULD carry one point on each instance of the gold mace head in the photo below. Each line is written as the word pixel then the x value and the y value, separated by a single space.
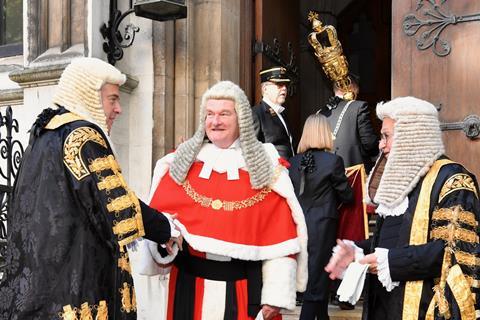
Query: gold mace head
pixel 333 61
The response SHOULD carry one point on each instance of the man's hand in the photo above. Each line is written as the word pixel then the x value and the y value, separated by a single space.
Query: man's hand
pixel 270 312
pixel 340 260
pixel 169 245
pixel 178 240
pixel 370 259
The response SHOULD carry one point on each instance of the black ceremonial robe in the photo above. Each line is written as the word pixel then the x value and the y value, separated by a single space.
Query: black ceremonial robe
pixel 440 253
pixel 71 216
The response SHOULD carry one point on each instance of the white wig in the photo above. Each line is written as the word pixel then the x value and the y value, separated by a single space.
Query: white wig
pixel 258 163
pixel 79 88
pixel 417 143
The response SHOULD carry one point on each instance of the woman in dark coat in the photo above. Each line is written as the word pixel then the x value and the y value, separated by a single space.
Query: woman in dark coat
pixel 321 187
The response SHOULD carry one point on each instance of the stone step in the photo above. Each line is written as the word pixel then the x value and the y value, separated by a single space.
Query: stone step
pixel 334 312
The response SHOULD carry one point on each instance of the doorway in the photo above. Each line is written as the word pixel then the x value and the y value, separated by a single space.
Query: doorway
pixel 363 28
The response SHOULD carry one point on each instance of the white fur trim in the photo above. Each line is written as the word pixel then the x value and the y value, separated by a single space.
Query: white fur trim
pixel 153 248
pixel 214 294
pixel 142 260
pixel 278 276
pixel 161 167
pixel 239 251
pixel 284 187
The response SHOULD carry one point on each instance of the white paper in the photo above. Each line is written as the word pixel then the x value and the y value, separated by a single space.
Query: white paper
pixel 259 316
pixel 352 284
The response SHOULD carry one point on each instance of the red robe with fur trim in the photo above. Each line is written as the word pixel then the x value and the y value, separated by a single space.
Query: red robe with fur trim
pixel 262 231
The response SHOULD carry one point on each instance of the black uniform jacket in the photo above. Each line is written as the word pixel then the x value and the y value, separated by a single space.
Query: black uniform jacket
pixel 326 187
pixel 454 189
pixel 71 216
pixel 356 141
pixel 270 129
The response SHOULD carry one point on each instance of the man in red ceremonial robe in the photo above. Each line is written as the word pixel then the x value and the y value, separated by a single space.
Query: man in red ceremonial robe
pixel 244 251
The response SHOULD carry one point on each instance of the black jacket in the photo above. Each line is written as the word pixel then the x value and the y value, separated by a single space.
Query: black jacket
pixel 269 129
pixel 70 217
pixel 326 187
pixel 356 141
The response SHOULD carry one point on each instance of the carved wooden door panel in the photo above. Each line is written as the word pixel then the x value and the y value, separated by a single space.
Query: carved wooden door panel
pixel 276 43
pixel 436 56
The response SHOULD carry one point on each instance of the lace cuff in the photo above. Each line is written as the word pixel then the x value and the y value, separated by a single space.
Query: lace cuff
pixel 383 271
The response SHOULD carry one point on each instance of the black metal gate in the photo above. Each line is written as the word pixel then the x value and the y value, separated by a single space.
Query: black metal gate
pixel 11 152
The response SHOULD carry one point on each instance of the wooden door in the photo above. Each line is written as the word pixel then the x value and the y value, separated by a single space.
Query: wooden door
pixel 445 73
pixel 276 38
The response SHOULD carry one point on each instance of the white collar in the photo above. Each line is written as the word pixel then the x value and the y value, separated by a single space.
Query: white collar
pixel 276 107
pixel 399 210
pixel 220 160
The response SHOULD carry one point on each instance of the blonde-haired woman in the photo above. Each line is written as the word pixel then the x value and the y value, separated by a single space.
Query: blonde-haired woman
pixel 321 186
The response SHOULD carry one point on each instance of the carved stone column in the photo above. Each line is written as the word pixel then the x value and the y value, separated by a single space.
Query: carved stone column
pixel 206 49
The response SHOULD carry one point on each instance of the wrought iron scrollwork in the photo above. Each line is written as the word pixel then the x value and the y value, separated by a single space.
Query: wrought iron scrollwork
pixel 115 42
pixel 273 53
pixel 470 126
pixel 435 20
pixel 11 152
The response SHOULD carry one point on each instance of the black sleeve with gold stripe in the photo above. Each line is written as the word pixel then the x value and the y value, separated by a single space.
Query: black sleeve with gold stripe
pixel 455 221
pixel 100 187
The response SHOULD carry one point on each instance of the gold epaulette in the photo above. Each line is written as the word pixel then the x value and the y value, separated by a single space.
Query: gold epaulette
pixel 72 149
pixel 61 119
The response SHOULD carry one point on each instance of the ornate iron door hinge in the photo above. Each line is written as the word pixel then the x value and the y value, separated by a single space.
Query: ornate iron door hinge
pixel 273 53
pixel 470 126
pixel 435 20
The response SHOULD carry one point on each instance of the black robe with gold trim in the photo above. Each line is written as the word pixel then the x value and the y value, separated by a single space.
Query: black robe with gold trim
pixel 446 265
pixel 71 216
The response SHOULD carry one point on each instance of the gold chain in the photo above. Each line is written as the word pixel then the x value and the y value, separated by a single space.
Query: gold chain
pixel 218 204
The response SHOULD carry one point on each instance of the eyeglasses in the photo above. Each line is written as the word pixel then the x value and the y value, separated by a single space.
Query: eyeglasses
pixel 385 136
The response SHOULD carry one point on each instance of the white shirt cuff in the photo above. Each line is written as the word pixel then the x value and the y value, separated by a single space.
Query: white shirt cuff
pixel 174 233
pixel 383 271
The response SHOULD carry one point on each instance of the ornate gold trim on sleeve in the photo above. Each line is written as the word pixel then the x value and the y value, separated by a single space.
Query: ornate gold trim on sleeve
pixel 72 149
pixel 467 259
pixel 474 283
pixel 419 235
pixel 461 291
pixel 125 226
pixel 450 234
pixel 104 163
pixel 111 182
pixel 448 214
pixel 459 181
pixel 129 200
pixel 124 202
